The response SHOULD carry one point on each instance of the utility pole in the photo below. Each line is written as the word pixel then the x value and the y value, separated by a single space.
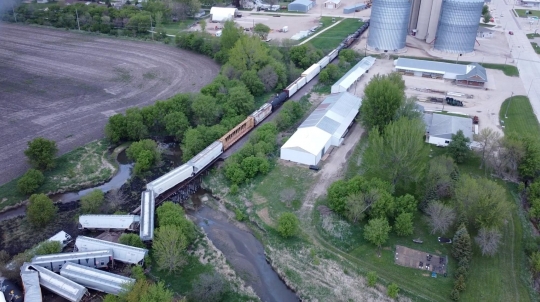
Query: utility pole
pixel 507 106
pixel 14 13
pixel 78 24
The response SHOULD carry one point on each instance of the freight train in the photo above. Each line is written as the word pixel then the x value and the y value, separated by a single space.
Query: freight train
pixel 193 167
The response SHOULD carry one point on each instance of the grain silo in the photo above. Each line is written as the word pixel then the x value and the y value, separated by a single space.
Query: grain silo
pixel 388 24
pixel 428 19
pixel 458 25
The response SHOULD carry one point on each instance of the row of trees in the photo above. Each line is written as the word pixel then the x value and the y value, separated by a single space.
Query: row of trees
pixel 41 154
pixel 462 252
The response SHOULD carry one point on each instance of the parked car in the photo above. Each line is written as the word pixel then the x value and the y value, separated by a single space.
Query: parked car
pixel 511 33
pixel 444 240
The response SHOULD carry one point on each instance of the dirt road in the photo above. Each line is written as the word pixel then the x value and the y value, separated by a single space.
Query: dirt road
pixel 63 85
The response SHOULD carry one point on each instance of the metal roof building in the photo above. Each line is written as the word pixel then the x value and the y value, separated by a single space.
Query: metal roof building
pixel 473 74
pixel 300 6
pixel 326 126
pixel 388 25
pixel 95 279
pixel 148 205
pixel 458 25
pixel 441 127
pixel 353 75
pixel 222 14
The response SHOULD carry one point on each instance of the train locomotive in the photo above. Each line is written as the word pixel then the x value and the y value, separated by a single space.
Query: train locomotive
pixel 210 154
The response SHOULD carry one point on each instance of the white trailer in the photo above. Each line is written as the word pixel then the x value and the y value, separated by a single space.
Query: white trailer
pixel 206 156
pixel 148 205
pixel 311 72
pixel 301 82
pixel 32 290
pixel 95 279
pixel 262 113
pixel 57 284
pixel 324 61
pixel 291 89
pixel 170 179
pixel 109 222
pixel 54 262
pixel 333 54
pixel 121 252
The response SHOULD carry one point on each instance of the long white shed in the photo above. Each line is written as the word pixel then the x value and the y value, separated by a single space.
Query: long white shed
pixel 343 84
pixel 121 252
pixel 109 222
pixel 222 14
pixel 170 179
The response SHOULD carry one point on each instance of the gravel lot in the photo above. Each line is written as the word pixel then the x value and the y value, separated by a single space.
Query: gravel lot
pixel 63 85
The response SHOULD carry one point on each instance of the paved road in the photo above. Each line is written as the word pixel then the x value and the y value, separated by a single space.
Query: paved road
pixel 522 52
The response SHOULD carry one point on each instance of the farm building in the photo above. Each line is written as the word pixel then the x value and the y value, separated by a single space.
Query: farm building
pixel 441 127
pixel 472 75
pixel 222 14
pixel 300 6
pixel 355 7
pixel 325 127
pixel 353 75
pixel 332 4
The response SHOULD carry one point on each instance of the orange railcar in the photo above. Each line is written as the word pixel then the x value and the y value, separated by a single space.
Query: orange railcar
pixel 237 132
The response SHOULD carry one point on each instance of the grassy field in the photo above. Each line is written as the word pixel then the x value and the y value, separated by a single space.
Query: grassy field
pixel 331 38
pixel 520 116
pixel 80 168
pixel 536 47
pixel 177 27
pixel 533 35
pixel 521 13
pixel 508 70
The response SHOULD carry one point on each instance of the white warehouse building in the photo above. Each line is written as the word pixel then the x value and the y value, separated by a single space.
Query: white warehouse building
pixel 353 75
pixel 325 127
pixel 222 14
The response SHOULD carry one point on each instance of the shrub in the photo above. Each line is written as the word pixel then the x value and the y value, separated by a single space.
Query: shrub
pixel 91 203
pixel 234 189
pixel 287 225
pixel 131 240
pixel 40 210
pixel 48 247
pixel 41 153
pixel 393 290
pixel 371 279
pixel 30 181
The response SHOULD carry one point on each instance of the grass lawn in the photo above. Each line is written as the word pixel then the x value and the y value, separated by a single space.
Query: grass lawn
pixel 177 27
pixel 508 70
pixel 533 35
pixel 182 281
pixel 331 38
pixel 520 116
pixel 536 47
pixel 521 13
pixel 81 168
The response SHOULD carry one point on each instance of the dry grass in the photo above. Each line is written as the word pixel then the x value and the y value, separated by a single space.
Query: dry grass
pixel 265 217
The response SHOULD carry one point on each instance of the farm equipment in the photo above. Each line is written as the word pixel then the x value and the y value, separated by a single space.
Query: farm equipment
pixel 436 100
pixel 453 102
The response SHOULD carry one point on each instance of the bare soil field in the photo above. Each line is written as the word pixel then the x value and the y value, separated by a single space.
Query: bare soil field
pixel 63 85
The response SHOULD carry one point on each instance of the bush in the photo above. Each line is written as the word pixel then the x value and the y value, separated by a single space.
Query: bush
pixel 393 290
pixel 48 247
pixel 131 240
pixel 239 215
pixel 209 287
pixel 41 153
pixel 234 189
pixel 371 279
pixel 30 181
pixel 454 295
pixel 40 210
pixel 145 154
pixel 91 203
pixel 287 225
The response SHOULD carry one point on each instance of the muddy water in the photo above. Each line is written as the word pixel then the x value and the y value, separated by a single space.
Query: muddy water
pixel 245 254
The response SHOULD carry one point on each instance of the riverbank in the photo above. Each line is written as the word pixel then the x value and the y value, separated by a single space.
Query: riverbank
pixel 85 167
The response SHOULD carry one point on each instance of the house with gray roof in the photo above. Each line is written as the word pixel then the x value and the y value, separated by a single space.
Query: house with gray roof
pixel 472 75
pixel 441 127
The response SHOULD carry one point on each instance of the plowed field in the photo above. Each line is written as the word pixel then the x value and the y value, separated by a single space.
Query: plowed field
pixel 63 85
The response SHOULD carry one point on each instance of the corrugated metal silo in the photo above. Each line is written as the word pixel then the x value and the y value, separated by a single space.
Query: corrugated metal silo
pixel 388 24
pixel 458 25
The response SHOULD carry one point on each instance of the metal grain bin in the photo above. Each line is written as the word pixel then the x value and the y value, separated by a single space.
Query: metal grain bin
pixel 388 25
pixel 458 25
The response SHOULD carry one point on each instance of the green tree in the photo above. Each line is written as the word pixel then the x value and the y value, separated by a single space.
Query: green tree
pixel 348 55
pixel 356 207
pixel 324 77
pixel 261 30
pixel 40 210
pixel 239 101
pixel 535 262
pixel 209 287
pixel 409 110
pixel 92 202
pixel 30 181
pixel 382 99
pixel 170 213
pixel 176 124
pixel 135 127
pixel 131 240
pixel 454 295
pixel 458 148
pixel 487 17
pixel 393 290
pixel 169 248
pixel 376 232
pixel 461 245
pixel 269 77
pixel 206 110
pixel 398 155
pixel 229 35
pixel 234 173
pixel 485 9
pixel 459 284
pixel 41 153
pixel 115 130
pixel 145 154
pixel 529 164
pixel 193 143
pixel 333 72
pixel 253 83
pixel 372 278
pixel 48 247
pixel 441 178
pixel 157 292
pixel 406 204
pixel 288 225
pixel 249 53
pixel 404 224
pixel 202 24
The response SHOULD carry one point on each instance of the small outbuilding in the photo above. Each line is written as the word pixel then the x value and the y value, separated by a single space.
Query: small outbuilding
pixel 325 127
pixel 353 75
pixel 300 6
pixel 222 14
pixel 441 127
pixel 332 4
